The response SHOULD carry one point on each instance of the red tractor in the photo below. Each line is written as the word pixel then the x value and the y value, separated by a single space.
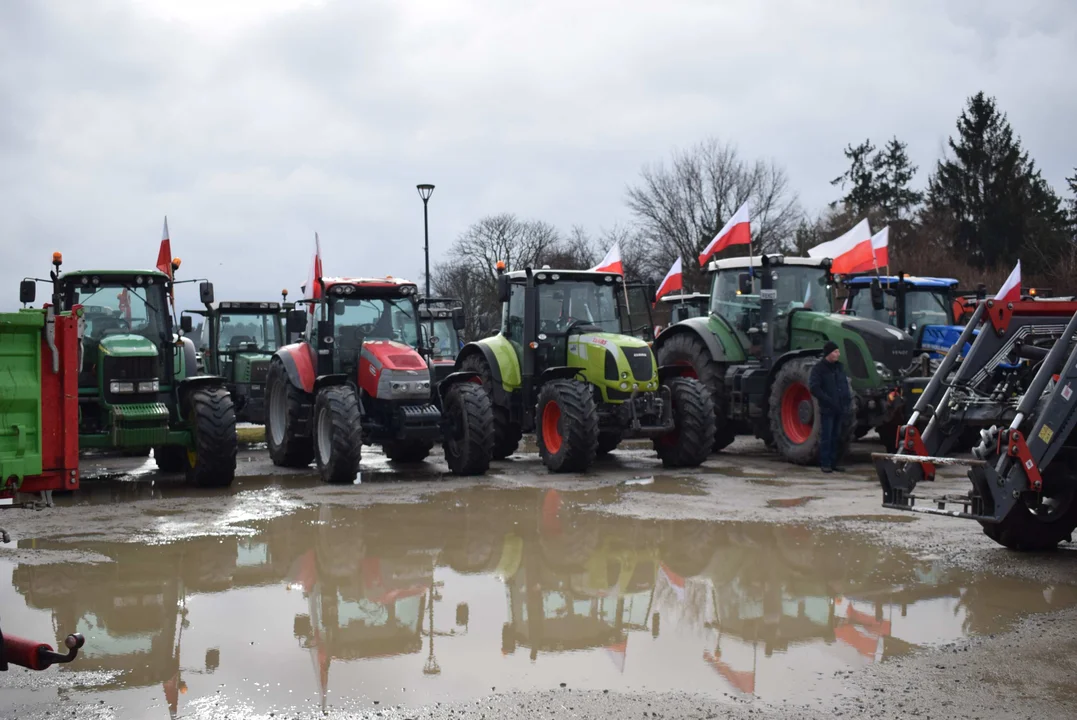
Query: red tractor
pixel 359 377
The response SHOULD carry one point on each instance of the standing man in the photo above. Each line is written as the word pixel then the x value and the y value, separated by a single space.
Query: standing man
pixel 830 386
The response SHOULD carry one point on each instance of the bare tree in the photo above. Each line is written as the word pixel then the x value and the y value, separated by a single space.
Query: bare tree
pixel 682 206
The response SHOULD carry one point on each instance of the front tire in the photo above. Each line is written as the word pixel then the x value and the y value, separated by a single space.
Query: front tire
pixel 469 437
pixel 687 349
pixel 287 409
pixel 693 437
pixel 507 434
pixel 793 414
pixel 212 461
pixel 338 437
pixel 567 427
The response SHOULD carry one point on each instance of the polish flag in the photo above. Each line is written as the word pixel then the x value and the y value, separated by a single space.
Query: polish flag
pixel 1011 289
pixel 164 255
pixel 849 252
pixel 736 232
pixel 313 287
pixel 674 280
pixel 676 582
pixel 880 245
pixel 612 261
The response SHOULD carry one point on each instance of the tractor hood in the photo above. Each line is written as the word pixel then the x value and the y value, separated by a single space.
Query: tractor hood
pixel 888 345
pixel 622 360
pixel 393 371
pixel 122 346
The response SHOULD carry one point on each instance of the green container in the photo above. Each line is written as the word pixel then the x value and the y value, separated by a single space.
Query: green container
pixel 20 394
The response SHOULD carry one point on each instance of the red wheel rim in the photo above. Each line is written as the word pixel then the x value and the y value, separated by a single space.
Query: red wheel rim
pixel 795 429
pixel 551 431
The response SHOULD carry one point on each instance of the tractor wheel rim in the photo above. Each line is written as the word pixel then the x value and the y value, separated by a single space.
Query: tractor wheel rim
pixel 551 427
pixel 277 414
pixel 794 428
pixel 325 436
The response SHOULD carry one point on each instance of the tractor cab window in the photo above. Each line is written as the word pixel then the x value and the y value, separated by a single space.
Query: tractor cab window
pixel 801 288
pixel 444 343
pixel 252 332
pixel 924 307
pixel 565 303
pixel 740 309
pixel 860 305
pixel 121 308
pixel 359 320
pixel 513 320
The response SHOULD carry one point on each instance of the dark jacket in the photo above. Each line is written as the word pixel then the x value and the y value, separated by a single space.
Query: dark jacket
pixel 829 384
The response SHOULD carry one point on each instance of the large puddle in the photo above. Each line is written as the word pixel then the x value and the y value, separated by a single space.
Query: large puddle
pixel 468 591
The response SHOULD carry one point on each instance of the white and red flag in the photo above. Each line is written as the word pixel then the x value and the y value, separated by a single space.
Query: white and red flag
pixel 737 231
pixel 674 280
pixel 612 261
pixel 1011 289
pixel 164 254
pixel 850 252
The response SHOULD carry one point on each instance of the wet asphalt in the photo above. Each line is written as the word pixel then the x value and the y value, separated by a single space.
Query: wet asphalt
pixel 745 588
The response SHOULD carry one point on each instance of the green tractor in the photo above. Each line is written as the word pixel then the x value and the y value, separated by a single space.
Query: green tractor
pixel 442 322
pixel 138 386
pixel 769 318
pixel 561 367
pixel 237 342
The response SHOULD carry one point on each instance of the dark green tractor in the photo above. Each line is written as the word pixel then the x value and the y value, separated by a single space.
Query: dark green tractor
pixel 563 368
pixel 769 319
pixel 237 343
pixel 138 384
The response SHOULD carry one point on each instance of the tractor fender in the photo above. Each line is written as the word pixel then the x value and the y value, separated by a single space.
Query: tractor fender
pixel 786 357
pixel 190 357
pixel 500 395
pixel 324 381
pixel 557 373
pixel 298 364
pixel 457 377
pixel 698 326
pixel 185 385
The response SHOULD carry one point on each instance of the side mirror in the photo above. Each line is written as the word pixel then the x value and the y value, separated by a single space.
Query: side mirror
pixel 744 284
pixel 205 292
pixel 459 321
pixel 297 321
pixel 877 301
pixel 27 291
pixel 502 289
pixel 186 324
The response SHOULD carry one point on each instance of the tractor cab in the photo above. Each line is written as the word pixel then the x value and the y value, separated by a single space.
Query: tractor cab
pixel 443 323
pixel 686 305
pixel 922 306
pixel 237 342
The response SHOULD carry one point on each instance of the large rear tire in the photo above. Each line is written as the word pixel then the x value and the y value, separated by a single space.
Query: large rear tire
pixel 338 436
pixel 567 426
pixel 793 414
pixel 469 438
pixel 406 451
pixel 287 409
pixel 212 460
pixel 687 349
pixel 507 434
pixel 690 443
pixel 1042 529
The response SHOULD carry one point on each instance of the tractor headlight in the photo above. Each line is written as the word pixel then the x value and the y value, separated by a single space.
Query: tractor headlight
pixel 149 386
pixel 403 386
pixel 624 386
pixel 884 372
pixel 117 388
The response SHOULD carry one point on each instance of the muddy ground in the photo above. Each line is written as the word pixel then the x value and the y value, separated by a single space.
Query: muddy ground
pixel 746 588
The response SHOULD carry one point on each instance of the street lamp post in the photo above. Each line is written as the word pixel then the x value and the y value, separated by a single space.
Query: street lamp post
pixel 425 191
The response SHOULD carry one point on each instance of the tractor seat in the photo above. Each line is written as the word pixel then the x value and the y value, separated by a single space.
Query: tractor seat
pixel 238 340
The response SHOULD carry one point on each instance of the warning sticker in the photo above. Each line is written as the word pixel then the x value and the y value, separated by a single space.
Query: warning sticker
pixel 1046 434
pixel 1067 392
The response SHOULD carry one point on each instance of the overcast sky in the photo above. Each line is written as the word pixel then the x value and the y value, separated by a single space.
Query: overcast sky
pixel 254 123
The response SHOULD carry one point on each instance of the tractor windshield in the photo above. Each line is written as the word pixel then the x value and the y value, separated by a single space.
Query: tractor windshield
pixel 798 287
pixel 356 320
pixel 565 302
pixel 444 343
pixel 258 332
pixel 922 307
pixel 117 307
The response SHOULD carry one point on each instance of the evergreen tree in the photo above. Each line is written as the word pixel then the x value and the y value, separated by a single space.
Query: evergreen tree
pixel 878 181
pixel 1072 182
pixel 991 197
